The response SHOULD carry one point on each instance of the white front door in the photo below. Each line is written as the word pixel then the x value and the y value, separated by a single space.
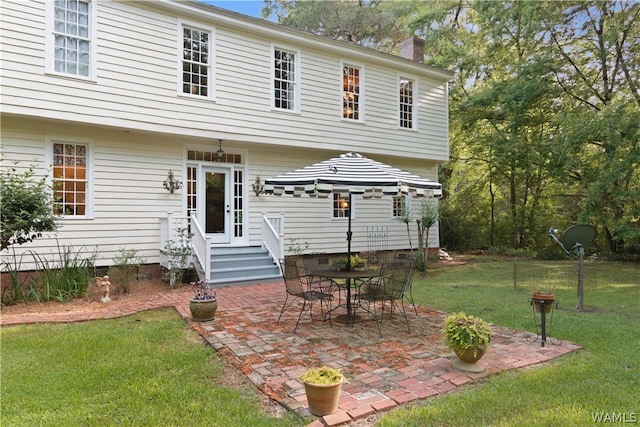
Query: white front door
pixel 215 209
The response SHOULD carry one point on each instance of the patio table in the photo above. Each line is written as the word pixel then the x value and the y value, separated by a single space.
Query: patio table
pixel 349 276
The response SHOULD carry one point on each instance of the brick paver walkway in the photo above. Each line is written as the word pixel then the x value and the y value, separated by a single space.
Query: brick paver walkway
pixel 383 372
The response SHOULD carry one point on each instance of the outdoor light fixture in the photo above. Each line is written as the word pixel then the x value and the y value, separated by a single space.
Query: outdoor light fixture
pixel 257 186
pixel 220 152
pixel 171 183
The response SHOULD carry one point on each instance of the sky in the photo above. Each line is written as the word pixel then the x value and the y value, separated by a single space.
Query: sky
pixel 247 7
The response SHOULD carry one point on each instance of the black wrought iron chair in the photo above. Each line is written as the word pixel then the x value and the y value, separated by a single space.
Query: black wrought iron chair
pixel 391 286
pixel 296 285
pixel 408 261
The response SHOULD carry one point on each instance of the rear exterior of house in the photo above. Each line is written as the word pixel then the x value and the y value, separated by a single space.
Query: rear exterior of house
pixel 106 98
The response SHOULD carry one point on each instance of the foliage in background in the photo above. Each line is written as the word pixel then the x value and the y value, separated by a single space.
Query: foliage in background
pixel 125 268
pixel 27 209
pixel 544 110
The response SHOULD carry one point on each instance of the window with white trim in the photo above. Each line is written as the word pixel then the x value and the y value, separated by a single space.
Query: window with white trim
pixel 71 36
pixel 401 206
pixel 406 104
pixel 196 61
pixel 351 93
pixel 285 79
pixel 341 208
pixel 70 179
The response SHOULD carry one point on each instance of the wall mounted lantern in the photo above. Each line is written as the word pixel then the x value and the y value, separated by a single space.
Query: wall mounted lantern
pixel 258 186
pixel 171 183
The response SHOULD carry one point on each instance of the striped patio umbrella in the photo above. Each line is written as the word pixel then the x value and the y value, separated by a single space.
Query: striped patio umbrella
pixel 354 174
pixel 351 173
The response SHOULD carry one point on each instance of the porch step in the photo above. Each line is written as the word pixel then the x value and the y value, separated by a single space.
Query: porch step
pixel 242 265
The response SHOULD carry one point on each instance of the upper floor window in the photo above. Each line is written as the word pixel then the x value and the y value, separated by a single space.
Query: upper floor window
pixel 285 77
pixel 196 62
pixel 406 104
pixel 70 178
pixel 70 37
pixel 351 94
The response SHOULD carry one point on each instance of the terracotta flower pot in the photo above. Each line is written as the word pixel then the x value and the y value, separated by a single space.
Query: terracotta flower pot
pixel 472 354
pixel 203 310
pixel 323 398
pixel 539 297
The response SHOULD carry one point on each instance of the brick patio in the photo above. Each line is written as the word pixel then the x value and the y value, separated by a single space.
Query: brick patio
pixel 383 372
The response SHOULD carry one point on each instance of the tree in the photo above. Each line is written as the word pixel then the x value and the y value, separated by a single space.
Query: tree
pixel 428 218
pixel 375 24
pixel 27 209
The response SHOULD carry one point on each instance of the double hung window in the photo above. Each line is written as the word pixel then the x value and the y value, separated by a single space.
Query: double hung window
pixel 406 104
pixel 196 62
pixel 70 179
pixel 71 32
pixel 351 93
pixel 285 79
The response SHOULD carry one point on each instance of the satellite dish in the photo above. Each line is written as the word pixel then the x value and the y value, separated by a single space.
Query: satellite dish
pixel 581 233
pixel 574 239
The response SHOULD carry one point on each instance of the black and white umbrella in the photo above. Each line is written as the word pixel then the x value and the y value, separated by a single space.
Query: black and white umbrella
pixel 351 173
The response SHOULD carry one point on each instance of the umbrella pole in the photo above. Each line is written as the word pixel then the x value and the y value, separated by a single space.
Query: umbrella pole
pixel 349 234
pixel 350 316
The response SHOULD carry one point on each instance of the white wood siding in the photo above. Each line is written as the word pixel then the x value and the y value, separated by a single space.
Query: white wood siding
pixel 139 124
pixel 136 79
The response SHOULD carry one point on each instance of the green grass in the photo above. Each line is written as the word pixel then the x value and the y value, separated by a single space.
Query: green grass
pixel 604 377
pixel 144 370
pixel 150 369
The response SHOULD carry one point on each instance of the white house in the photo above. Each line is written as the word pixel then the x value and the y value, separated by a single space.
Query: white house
pixel 109 97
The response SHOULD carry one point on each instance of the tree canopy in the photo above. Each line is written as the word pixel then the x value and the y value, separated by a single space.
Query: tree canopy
pixel 544 109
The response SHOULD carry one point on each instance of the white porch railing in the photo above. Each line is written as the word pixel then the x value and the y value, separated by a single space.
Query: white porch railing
pixel 200 244
pixel 273 236
pixel 201 249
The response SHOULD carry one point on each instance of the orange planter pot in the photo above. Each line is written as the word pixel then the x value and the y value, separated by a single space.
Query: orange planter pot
pixel 539 297
pixel 323 398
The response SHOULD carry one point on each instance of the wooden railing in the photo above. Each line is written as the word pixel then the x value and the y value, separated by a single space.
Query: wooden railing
pixel 273 236
pixel 200 244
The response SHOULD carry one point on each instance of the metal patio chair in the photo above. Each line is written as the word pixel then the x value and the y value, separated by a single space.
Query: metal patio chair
pixel 391 286
pixel 296 285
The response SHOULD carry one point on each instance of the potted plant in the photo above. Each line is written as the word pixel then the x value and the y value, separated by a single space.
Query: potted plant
pixel 468 336
pixel 204 304
pixel 545 294
pixel 322 386
pixel 357 263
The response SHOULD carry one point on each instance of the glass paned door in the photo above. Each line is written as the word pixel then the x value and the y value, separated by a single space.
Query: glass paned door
pixel 216 207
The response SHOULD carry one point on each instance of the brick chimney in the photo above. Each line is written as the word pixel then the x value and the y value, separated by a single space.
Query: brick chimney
pixel 412 49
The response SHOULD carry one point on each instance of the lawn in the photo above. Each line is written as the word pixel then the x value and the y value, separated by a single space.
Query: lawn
pixel 602 380
pixel 148 369
pixel 151 369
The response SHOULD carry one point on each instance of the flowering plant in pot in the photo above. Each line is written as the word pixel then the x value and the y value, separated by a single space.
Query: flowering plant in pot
pixel 322 386
pixel 203 304
pixel 467 335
